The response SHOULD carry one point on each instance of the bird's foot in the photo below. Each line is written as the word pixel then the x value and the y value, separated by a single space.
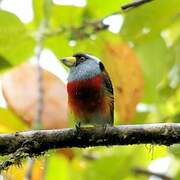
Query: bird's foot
pixel 78 127
pixel 106 126
pixel 106 131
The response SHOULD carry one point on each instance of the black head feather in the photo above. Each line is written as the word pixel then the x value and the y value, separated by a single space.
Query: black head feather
pixel 80 58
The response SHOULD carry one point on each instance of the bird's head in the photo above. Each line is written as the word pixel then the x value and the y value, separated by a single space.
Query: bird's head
pixel 82 66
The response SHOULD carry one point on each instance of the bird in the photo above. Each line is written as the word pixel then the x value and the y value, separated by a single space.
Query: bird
pixel 90 90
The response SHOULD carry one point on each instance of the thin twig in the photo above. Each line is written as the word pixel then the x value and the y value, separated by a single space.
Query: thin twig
pixel 37 121
pixel 40 92
pixel 135 4
pixel 89 28
pixel 150 173
pixel 38 51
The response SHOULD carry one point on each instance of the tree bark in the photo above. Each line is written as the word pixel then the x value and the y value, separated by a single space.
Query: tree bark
pixel 42 140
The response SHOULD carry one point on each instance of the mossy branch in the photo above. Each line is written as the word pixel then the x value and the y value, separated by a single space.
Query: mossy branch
pixel 42 140
pixel 32 143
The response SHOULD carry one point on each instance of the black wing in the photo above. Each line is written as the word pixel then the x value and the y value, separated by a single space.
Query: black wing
pixel 109 91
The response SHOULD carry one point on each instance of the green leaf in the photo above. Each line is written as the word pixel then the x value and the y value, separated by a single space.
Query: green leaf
pixel 47 8
pixel 176 50
pixel 175 150
pixel 57 168
pixel 16 45
pixel 42 9
pixel 59 45
pixel 177 177
pixel 172 33
pixel 99 9
pixel 38 11
pixel 4 63
pixel 9 122
pixel 117 162
pixel 156 59
pixel 66 15
pixel 151 17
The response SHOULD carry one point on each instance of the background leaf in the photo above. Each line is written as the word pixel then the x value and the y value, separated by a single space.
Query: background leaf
pixel 20 91
pixel 9 122
pixel 127 78
pixel 151 17
pixel 16 45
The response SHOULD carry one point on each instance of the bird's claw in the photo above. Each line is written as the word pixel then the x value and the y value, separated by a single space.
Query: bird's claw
pixel 78 127
pixel 105 127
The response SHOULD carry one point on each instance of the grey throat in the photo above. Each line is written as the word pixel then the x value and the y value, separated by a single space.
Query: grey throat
pixel 85 70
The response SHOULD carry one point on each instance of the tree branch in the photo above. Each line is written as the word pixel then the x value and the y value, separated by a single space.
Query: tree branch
pixel 91 27
pixel 21 145
pixel 43 140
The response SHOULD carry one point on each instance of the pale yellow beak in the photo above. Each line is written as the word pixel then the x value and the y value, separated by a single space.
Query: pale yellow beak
pixel 68 61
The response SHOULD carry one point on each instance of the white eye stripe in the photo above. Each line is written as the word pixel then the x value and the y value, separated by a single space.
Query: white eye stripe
pixel 94 57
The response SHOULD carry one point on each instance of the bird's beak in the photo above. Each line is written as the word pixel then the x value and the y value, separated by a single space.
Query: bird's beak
pixel 68 61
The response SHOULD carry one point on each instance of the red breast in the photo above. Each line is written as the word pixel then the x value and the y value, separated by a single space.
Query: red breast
pixel 86 96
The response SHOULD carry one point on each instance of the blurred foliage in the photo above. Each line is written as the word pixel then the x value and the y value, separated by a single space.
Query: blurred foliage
pixel 150 32
pixel 14 37
pixel 175 149
pixel 23 99
pixel 123 68
pixel 10 122
pixel 4 63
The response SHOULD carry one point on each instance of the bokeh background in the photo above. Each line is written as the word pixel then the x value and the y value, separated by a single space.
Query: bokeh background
pixel 140 48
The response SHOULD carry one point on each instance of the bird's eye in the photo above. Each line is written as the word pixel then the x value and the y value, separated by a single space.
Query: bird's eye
pixel 82 58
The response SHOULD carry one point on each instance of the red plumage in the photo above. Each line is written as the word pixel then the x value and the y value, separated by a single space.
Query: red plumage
pixel 86 96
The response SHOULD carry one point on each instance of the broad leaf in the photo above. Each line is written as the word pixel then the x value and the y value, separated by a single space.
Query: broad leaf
pixel 147 21
pixel 15 43
pixel 126 75
pixel 20 90
pixel 9 122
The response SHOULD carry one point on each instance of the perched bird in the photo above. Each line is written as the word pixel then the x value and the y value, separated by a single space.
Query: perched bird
pixel 90 91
